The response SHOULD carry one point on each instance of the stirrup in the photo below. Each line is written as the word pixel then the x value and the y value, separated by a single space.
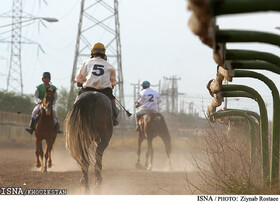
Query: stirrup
pixel 57 128
pixel 29 130
pixel 115 122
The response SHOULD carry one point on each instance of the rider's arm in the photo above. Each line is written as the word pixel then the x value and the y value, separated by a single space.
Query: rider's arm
pixel 158 99
pixel 137 104
pixel 37 99
pixel 80 79
pixel 113 77
pixel 140 101
pixel 55 97
pixel 81 76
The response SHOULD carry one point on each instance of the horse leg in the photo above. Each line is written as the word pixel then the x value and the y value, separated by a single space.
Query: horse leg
pixel 46 156
pixel 50 146
pixel 84 179
pixel 38 152
pixel 98 157
pixel 150 153
pixel 167 144
pixel 140 140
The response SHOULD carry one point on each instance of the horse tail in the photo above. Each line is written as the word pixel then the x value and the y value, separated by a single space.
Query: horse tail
pixel 80 130
pixel 164 134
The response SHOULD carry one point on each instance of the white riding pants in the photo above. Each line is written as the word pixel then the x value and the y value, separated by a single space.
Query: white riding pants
pixel 36 112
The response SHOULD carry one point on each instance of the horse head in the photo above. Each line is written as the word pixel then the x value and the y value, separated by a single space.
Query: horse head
pixel 48 100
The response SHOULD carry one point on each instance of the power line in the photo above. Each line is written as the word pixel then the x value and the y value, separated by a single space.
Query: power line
pixel 14 79
pixel 97 15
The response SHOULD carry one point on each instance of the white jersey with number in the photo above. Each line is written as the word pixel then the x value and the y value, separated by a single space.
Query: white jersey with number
pixel 149 99
pixel 96 73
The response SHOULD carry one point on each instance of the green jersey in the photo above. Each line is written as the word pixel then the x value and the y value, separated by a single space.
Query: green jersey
pixel 42 90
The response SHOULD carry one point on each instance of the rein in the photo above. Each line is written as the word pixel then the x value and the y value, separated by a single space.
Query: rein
pixel 43 106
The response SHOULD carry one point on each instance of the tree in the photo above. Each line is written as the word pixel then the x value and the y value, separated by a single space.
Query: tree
pixel 12 102
pixel 62 102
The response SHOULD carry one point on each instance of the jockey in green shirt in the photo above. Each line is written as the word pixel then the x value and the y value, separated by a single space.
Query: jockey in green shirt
pixel 39 96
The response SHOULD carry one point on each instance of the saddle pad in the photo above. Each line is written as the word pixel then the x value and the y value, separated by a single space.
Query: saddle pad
pixel 141 120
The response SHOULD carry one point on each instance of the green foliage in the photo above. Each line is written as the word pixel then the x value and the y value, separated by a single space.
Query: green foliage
pixel 62 102
pixel 12 102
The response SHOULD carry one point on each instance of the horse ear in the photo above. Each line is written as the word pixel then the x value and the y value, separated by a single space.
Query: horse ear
pixel 52 90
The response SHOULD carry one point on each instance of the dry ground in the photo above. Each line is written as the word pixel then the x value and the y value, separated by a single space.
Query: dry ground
pixel 120 177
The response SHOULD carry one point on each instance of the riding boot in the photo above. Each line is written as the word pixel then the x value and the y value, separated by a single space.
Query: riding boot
pixel 31 126
pixel 137 127
pixel 57 127
pixel 115 113
pixel 137 122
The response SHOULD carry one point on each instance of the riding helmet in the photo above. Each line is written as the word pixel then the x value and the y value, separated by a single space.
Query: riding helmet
pixel 46 74
pixel 145 84
pixel 98 48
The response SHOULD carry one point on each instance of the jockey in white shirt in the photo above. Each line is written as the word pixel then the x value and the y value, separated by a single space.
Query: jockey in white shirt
pixel 148 100
pixel 96 74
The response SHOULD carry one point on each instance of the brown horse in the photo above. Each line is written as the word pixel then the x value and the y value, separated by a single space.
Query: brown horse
pixel 45 130
pixel 88 129
pixel 151 126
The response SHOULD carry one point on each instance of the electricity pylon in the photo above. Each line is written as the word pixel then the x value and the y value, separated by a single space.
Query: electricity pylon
pixel 14 79
pixel 99 22
pixel 15 73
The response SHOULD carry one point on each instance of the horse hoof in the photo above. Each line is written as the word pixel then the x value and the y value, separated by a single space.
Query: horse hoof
pixel 149 167
pixel 49 165
pixel 38 165
pixel 45 171
pixel 83 180
pixel 98 181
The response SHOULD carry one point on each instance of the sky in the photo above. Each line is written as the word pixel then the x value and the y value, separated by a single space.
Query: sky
pixel 156 42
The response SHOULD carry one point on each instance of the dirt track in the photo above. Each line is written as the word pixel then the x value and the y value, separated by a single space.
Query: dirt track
pixel 120 177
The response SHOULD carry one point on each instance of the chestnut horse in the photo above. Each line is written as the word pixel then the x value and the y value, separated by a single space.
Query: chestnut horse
pixel 88 130
pixel 45 130
pixel 151 126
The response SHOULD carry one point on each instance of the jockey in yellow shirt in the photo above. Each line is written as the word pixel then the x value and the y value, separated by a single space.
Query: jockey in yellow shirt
pixel 96 74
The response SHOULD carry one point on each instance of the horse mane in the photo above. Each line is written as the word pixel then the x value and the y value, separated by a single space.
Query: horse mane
pixel 45 122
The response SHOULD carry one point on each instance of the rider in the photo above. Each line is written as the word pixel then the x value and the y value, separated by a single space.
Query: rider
pixel 39 96
pixel 148 100
pixel 96 74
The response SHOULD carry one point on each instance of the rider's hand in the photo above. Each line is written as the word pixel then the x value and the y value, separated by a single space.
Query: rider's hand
pixel 79 84
pixel 40 101
pixel 137 104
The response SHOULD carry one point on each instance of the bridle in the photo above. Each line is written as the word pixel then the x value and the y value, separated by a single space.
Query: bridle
pixel 47 103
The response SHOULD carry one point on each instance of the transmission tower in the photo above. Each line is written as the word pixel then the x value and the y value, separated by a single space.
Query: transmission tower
pixel 136 91
pixel 14 79
pixel 15 73
pixel 170 94
pixel 99 22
